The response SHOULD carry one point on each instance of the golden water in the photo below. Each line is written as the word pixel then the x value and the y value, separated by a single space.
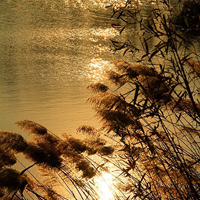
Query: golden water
pixel 49 51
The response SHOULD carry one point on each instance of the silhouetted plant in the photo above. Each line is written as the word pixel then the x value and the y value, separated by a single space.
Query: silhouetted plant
pixel 151 113
pixel 57 159
pixel 154 110
pixel 187 18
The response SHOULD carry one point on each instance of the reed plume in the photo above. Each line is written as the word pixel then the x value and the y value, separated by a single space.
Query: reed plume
pixel 7 157
pixel 32 127
pixel 85 167
pixel 11 181
pixel 154 87
pixel 133 70
pixel 90 130
pixel 51 194
pixel 13 141
pixel 97 87
pixel 147 150
pixel 185 105
pixel 151 114
pixel 116 78
pixel 195 65
pixel 106 150
pixel 46 157
pixel 72 149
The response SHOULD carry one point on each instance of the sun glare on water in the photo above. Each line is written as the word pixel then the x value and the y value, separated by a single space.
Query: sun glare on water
pixel 105 186
pixel 96 69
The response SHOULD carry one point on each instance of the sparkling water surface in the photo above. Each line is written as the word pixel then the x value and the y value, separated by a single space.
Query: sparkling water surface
pixel 49 51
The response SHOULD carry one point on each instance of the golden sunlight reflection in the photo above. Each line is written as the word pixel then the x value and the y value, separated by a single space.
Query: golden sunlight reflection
pixel 106 33
pixel 105 186
pixel 97 68
pixel 99 3
pixel 103 3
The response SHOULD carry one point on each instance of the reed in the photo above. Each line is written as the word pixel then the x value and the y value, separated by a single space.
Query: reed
pixel 150 118
pixel 157 119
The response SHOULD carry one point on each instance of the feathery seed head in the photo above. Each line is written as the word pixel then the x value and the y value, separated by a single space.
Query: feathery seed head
pixel 195 65
pixel 11 179
pixel 143 70
pixel 154 87
pixel 7 157
pixel 87 129
pixel 77 145
pixel 108 101
pixel 106 150
pixel 97 87
pixel 32 127
pixel 51 194
pixel 184 105
pixel 134 70
pixel 84 166
pixel 13 141
pixel 116 78
pixel 121 65
pixel 46 157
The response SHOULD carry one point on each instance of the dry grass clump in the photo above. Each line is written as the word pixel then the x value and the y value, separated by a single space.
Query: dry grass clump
pixel 184 105
pixel 133 70
pixel 89 130
pixel 116 78
pixel 155 88
pixel 32 127
pixel 14 141
pixel 151 154
pixel 195 65
pixel 11 181
pixel 7 157
pixel 47 157
pixel 188 18
pixel 97 87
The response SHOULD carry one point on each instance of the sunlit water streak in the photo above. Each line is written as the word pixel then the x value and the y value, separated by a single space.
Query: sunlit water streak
pixel 105 186
pixel 49 51
pixel 47 55
pixel 98 3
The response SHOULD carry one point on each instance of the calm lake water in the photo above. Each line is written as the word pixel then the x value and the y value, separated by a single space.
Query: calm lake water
pixel 49 51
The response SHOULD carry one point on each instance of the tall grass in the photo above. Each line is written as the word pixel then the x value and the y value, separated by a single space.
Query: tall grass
pixel 149 111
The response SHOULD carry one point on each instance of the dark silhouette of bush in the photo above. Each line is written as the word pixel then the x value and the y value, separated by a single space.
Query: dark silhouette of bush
pixel 188 17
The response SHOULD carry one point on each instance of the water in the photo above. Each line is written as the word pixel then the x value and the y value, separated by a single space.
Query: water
pixel 49 51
